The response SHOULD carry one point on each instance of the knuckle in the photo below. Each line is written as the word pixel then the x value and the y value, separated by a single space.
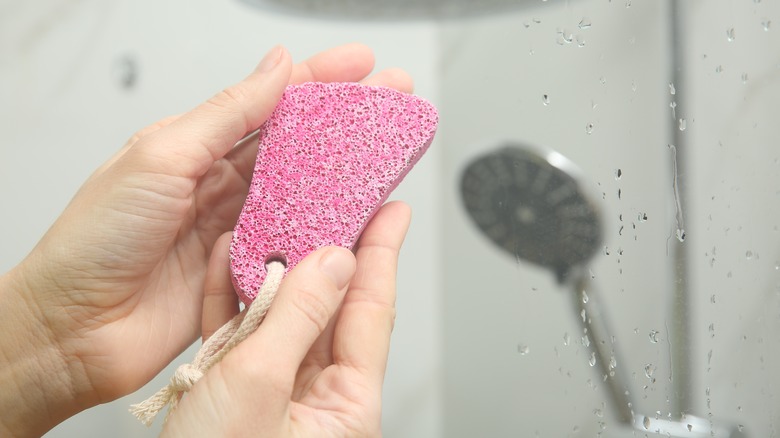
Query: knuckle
pixel 229 98
pixel 311 305
pixel 392 316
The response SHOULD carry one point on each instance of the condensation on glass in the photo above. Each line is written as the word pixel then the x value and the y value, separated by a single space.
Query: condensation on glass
pixel 671 325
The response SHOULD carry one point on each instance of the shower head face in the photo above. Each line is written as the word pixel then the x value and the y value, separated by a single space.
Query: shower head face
pixel 530 204
pixel 389 9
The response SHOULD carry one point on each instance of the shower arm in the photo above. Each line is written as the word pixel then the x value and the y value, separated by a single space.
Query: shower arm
pixel 593 317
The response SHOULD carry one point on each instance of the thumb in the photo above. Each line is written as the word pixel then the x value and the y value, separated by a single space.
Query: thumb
pixel 306 301
pixel 190 145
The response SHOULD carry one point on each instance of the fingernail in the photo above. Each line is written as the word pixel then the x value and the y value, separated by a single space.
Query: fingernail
pixel 339 265
pixel 270 60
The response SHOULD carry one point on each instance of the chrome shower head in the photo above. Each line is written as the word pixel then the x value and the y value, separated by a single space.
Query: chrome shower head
pixel 529 202
pixel 390 9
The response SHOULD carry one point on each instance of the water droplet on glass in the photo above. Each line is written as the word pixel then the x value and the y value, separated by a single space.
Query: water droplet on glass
pixel 564 37
pixel 523 349
pixel 739 408
pixel 545 99
pixel 712 299
pixel 584 23
pixel 582 315
pixel 585 341
pixel 673 106
pixel 527 24
pixel 740 427
pixel 537 20
pixel 683 124
pixel 730 35
pixel 646 423
pixel 672 91
pixel 592 360
pixel 680 234
pixel 612 363
pixel 712 330
pixel 589 128
pixel 765 24
pixel 719 69
pixel 126 72
pixel 603 80
pixel 690 428
pixel 654 336
pixel 633 86
pixel 598 412
pixel 744 78
pixel 566 339
pixel 649 370
pixel 584 297
pixel 749 255
pixel 618 174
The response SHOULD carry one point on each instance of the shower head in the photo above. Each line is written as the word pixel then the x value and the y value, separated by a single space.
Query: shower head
pixel 390 9
pixel 529 202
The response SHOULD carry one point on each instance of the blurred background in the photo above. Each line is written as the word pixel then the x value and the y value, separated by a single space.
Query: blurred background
pixel 667 108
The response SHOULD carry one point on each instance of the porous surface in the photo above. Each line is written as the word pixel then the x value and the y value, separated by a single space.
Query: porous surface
pixel 329 156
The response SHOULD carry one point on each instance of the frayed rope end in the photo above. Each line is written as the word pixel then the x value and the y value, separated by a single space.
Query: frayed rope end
pixel 182 381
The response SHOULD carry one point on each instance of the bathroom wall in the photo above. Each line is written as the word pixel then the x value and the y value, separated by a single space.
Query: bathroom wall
pixel 587 79
pixel 78 77
pixel 596 81
pixel 484 344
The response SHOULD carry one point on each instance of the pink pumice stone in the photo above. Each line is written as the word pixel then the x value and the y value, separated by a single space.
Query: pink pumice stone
pixel 329 156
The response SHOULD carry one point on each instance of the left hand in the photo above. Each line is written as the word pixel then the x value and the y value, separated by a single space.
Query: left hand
pixel 114 289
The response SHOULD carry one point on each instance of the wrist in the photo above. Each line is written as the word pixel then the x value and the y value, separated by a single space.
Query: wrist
pixel 36 385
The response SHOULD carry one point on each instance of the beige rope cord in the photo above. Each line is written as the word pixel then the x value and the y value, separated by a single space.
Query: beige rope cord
pixel 213 350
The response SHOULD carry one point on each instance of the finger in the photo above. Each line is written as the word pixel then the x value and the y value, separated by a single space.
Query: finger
pixel 319 357
pixel 151 129
pixel 347 63
pixel 133 140
pixel 393 78
pixel 220 302
pixel 307 300
pixel 190 145
pixel 362 337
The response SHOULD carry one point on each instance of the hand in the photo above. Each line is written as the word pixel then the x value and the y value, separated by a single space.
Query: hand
pixel 113 292
pixel 315 366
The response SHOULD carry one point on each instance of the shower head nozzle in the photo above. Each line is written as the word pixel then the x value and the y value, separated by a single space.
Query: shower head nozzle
pixel 529 202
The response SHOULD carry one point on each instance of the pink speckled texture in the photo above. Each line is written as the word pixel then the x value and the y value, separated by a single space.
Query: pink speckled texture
pixel 329 156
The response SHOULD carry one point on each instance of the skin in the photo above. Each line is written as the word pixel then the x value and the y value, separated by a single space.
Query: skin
pixel 117 287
